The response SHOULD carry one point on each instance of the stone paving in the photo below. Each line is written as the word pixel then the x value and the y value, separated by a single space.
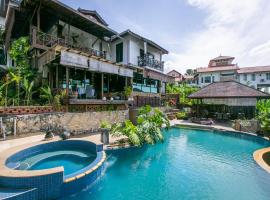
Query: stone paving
pixel 4 145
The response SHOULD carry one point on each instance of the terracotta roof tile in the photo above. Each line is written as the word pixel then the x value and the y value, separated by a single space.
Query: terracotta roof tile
pixel 246 70
pixel 215 69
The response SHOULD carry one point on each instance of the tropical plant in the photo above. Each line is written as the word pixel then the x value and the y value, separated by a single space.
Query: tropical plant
pixel 105 125
pixel 19 53
pixel 127 91
pixel 184 91
pixel 127 129
pixel 263 115
pixel 150 121
pixel 46 94
pixel 58 100
pixel 181 115
pixel 28 89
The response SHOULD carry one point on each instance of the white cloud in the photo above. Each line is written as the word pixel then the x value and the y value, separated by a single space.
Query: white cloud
pixel 233 28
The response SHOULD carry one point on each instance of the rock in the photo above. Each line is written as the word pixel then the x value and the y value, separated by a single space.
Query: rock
pixel 49 135
pixel 65 135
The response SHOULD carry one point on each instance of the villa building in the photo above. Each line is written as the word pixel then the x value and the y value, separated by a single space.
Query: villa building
pixel 145 57
pixel 222 68
pixel 177 76
pixel 219 69
pixel 75 50
pixel 256 77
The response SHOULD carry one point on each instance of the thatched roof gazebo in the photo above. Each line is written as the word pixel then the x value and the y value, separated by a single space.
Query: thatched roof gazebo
pixel 229 96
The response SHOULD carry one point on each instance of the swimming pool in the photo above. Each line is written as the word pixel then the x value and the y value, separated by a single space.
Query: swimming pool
pixel 190 164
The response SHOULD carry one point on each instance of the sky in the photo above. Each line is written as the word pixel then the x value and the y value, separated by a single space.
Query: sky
pixel 193 31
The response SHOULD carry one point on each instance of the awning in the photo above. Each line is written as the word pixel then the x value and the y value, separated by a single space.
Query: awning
pixel 158 76
pixel 84 62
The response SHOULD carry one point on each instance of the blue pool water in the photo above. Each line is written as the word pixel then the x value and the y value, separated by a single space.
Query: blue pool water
pixel 189 165
pixel 71 160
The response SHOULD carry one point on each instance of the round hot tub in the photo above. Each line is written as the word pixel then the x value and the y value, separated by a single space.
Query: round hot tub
pixel 53 169
pixel 71 157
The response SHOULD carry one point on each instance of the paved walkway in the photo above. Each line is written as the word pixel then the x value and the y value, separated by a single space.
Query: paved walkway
pixel 40 138
pixel 93 138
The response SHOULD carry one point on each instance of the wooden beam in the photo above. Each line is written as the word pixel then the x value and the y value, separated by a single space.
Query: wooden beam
pixel 102 84
pixel 38 17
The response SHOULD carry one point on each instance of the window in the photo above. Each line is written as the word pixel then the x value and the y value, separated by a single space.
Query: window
pixel 245 77
pixel 119 52
pixel 267 76
pixel 213 79
pixel 202 80
pixel 141 84
pixel 207 79
pixel 253 77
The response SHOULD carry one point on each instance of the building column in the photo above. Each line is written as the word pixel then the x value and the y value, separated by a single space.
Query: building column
pixel 126 81
pixel 67 81
pixel 145 48
pixel 102 85
pixel 56 77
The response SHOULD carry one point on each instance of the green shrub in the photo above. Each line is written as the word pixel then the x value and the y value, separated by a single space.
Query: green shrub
pixel 105 124
pixel 150 121
pixel 263 115
pixel 181 115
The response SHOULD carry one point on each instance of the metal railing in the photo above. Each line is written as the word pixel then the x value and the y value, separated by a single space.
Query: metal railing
pixel 46 40
pixel 145 60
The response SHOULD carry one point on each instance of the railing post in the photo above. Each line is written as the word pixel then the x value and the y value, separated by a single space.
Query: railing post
pixel 34 36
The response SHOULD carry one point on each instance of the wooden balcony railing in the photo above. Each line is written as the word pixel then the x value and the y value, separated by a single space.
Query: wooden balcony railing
pixel 46 41
pixel 144 61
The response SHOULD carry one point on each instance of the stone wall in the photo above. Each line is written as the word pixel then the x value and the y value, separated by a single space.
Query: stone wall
pixel 35 123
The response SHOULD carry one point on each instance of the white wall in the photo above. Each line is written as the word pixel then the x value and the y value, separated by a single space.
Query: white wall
pixel 132 48
pixel 126 44
pixel 260 78
pixel 218 76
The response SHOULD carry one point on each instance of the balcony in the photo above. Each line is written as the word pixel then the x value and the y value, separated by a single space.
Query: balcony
pixel 46 41
pixel 150 62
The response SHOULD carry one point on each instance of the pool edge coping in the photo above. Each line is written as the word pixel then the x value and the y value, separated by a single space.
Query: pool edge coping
pixel 12 173
pixel 258 157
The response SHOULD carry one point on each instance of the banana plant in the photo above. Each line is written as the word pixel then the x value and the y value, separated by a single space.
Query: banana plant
pixel 28 89
pixel 16 78
pixel 46 94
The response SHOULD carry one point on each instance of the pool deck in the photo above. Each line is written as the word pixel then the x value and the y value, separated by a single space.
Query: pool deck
pixel 39 139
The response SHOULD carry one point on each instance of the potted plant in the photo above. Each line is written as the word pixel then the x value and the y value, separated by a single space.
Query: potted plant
pixel 73 95
pixel 127 92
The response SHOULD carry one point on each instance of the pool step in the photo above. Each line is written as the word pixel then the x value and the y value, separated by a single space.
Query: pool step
pixel 18 194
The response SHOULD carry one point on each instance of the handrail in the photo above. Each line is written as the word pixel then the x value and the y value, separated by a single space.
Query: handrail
pixel 47 40
pixel 147 61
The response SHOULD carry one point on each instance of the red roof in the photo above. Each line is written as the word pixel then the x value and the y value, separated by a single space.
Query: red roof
pixel 254 69
pixel 215 69
pixel 227 89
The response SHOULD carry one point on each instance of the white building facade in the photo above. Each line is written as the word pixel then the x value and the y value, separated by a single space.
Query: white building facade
pixel 145 56
pixel 255 77
pixel 223 69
